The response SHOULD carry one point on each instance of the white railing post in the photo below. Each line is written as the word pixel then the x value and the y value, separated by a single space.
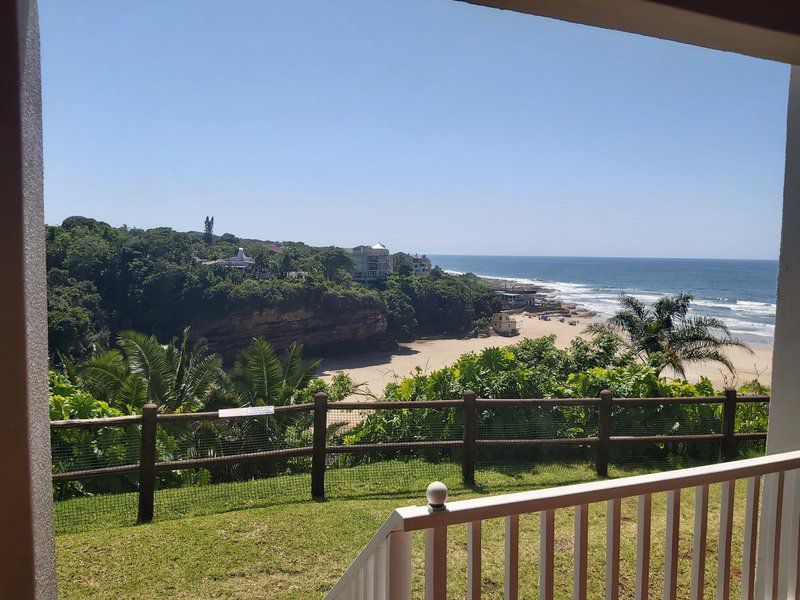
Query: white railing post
pixel 612 548
pixel 671 547
pixel 750 539
pixel 725 538
pixel 436 546
pixel 699 546
pixel 546 546
pixel 474 560
pixel 644 505
pixel 399 565
pixel 581 551
pixel 436 563
pixel 772 548
pixel 380 581
pixel 511 578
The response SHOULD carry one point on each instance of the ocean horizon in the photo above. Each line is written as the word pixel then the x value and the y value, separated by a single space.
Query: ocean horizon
pixel 740 292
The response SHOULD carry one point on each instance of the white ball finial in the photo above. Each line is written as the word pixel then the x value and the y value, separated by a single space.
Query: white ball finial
pixel 437 495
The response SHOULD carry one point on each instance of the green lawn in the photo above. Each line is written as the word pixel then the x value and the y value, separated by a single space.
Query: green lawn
pixel 278 547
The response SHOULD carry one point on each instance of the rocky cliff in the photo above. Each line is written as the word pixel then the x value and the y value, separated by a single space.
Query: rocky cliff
pixel 320 334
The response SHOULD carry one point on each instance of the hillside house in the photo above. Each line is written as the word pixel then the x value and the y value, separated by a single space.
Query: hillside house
pixel 420 265
pixel 240 261
pixel 371 263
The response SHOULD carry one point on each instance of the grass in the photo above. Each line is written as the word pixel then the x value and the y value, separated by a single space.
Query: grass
pixel 279 547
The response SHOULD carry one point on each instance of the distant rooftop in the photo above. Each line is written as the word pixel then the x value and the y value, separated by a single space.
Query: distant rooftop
pixel 240 261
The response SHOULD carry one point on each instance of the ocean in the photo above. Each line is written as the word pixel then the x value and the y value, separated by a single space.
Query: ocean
pixel 740 292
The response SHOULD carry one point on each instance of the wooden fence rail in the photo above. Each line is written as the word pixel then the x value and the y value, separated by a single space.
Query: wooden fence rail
pixel 148 464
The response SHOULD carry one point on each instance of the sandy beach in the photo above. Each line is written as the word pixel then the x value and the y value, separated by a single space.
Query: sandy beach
pixel 376 369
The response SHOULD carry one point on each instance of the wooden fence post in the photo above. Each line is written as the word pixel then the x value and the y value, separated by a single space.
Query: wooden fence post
pixel 320 439
pixel 603 433
pixel 729 426
pixel 468 465
pixel 147 464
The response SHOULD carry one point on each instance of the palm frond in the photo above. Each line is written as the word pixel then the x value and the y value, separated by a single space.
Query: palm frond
pixel 665 334
pixel 148 358
pixel 104 374
pixel 633 305
pixel 132 394
pixel 264 369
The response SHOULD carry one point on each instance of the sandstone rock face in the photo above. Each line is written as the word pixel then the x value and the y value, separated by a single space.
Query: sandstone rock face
pixel 350 331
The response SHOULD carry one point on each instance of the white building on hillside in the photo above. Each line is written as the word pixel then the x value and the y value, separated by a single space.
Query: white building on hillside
pixel 240 261
pixel 372 263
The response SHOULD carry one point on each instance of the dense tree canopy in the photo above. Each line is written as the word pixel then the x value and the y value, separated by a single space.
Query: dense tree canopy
pixel 103 280
pixel 437 303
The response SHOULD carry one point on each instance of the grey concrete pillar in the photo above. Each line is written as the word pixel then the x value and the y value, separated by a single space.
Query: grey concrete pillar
pixel 27 565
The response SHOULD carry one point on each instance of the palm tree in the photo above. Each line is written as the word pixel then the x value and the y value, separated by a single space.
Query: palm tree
pixel 260 377
pixel 175 376
pixel 664 335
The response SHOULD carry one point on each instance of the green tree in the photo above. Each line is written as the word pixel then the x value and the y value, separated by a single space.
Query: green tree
pixel 402 264
pixel 260 263
pixel 402 322
pixel 260 377
pixel 333 261
pixel 176 376
pixel 208 231
pixel 75 317
pixel 665 335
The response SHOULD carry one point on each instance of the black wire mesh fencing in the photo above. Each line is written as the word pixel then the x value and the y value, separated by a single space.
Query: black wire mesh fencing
pixel 136 468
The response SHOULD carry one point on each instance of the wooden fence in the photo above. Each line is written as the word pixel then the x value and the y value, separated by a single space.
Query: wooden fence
pixel 148 465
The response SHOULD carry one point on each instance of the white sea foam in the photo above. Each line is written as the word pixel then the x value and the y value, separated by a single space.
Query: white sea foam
pixel 755 308
pixel 744 318
pixel 739 327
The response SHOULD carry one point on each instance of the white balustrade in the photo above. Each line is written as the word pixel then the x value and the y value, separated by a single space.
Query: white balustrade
pixel 383 569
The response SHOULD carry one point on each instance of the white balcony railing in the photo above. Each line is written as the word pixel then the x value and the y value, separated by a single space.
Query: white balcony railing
pixel 382 571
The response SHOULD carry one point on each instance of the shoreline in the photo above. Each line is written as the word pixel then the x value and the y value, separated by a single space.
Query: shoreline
pixel 375 369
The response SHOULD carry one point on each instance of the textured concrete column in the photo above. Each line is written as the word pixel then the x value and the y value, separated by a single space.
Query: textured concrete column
pixel 26 552
pixel 784 418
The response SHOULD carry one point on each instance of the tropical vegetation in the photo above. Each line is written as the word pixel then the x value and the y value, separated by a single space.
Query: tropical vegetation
pixel 104 280
pixel 537 368
pixel 436 303
pixel 664 334
pixel 180 377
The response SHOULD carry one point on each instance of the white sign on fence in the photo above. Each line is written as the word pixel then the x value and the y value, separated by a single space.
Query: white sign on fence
pixel 250 411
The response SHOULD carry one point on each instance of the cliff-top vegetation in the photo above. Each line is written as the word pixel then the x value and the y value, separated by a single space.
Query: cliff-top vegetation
pixel 103 280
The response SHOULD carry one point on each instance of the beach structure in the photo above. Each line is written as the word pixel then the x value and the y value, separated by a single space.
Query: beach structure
pixel 420 265
pixel 371 263
pixel 514 301
pixel 769 568
pixel 240 261
pixel 504 324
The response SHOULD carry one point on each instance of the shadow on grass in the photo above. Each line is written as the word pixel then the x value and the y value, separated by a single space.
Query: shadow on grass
pixel 404 481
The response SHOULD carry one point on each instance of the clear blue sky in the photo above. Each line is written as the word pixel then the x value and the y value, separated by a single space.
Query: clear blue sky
pixel 428 125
